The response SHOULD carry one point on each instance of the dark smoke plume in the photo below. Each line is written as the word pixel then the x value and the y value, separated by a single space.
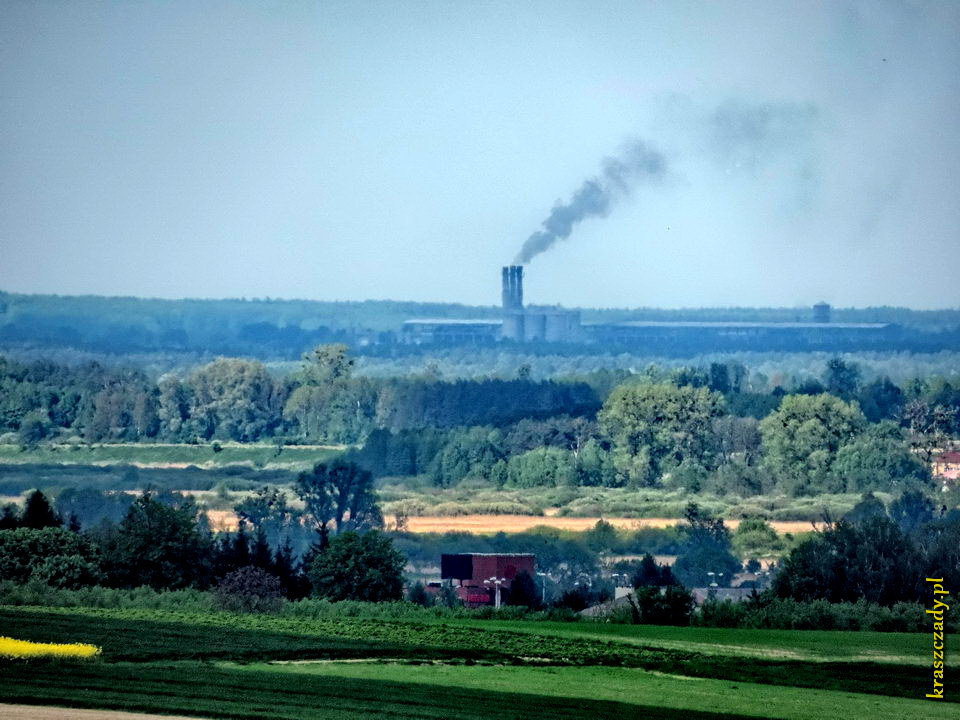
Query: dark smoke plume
pixel 595 197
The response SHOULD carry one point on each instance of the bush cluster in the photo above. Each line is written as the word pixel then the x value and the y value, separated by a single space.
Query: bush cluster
pixel 780 614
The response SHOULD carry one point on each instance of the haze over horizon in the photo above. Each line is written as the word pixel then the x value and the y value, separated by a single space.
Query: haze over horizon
pixel 791 152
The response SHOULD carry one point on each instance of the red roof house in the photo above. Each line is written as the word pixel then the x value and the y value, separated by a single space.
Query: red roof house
pixel 947 466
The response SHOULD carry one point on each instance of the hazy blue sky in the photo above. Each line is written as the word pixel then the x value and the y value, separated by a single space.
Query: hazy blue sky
pixel 407 150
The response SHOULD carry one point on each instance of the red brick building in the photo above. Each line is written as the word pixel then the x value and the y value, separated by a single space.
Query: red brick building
pixel 947 466
pixel 468 571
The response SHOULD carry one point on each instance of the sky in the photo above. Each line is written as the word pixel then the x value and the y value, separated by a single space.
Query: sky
pixel 793 151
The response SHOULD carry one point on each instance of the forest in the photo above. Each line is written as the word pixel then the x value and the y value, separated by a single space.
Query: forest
pixel 696 428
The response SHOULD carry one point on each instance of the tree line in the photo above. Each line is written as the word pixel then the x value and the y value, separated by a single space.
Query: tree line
pixel 239 400
pixel 165 542
pixel 689 430
pixel 699 429
pixel 864 570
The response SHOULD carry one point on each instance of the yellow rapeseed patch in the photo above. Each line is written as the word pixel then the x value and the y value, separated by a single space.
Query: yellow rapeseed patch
pixel 25 650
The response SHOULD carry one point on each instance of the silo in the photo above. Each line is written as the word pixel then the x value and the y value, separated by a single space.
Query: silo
pixel 558 327
pixel 821 312
pixel 534 327
pixel 513 326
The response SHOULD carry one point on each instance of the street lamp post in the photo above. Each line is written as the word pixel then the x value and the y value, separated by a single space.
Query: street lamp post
pixel 497 582
pixel 543 588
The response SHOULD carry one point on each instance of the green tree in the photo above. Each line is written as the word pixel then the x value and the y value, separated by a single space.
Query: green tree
pixel 801 440
pixel 417 594
pixel 233 399
pixel 69 572
pixel 524 592
pixel 653 426
pixel 869 507
pixel 327 403
pixel 38 514
pixel 877 459
pixel 706 549
pixel 754 537
pixel 872 560
pixel 671 605
pixel 144 416
pixel 738 437
pixel 34 427
pixel 649 574
pixel 912 510
pixel 881 400
pixel 842 379
pixel 156 544
pixel 339 493
pixel 267 509
pixel 327 364
pixel 719 378
pixel 602 537
pixel 51 555
pixel 545 466
pixel 9 517
pixel 470 452
pixel 595 465
pixel 358 567
pixel 174 407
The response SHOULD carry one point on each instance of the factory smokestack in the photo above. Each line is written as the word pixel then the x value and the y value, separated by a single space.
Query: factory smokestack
pixel 512 294
pixel 595 197
pixel 512 287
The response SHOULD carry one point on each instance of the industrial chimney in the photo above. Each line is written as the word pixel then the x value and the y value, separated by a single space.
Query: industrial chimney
pixel 512 292
pixel 512 297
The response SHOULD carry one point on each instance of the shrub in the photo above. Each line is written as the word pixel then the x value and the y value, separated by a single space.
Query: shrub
pixel 786 614
pixel 721 614
pixel 249 589
pixel 37 593
pixel 662 606
pixel 417 594
pixel 26 551
pixel 67 571
pixel 358 567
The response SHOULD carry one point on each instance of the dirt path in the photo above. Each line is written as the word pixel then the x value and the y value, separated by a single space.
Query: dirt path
pixel 42 712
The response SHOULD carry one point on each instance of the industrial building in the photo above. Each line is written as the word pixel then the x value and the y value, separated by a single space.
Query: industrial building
pixel 518 323
pixel 478 578
pixel 523 324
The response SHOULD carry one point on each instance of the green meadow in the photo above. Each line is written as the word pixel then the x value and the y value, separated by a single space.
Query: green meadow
pixel 213 664
pixel 259 455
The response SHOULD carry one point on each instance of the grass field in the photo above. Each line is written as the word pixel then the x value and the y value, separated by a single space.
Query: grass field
pixel 807 645
pixel 292 457
pixel 199 689
pixel 225 665
pixel 630 686
pixel 414 499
